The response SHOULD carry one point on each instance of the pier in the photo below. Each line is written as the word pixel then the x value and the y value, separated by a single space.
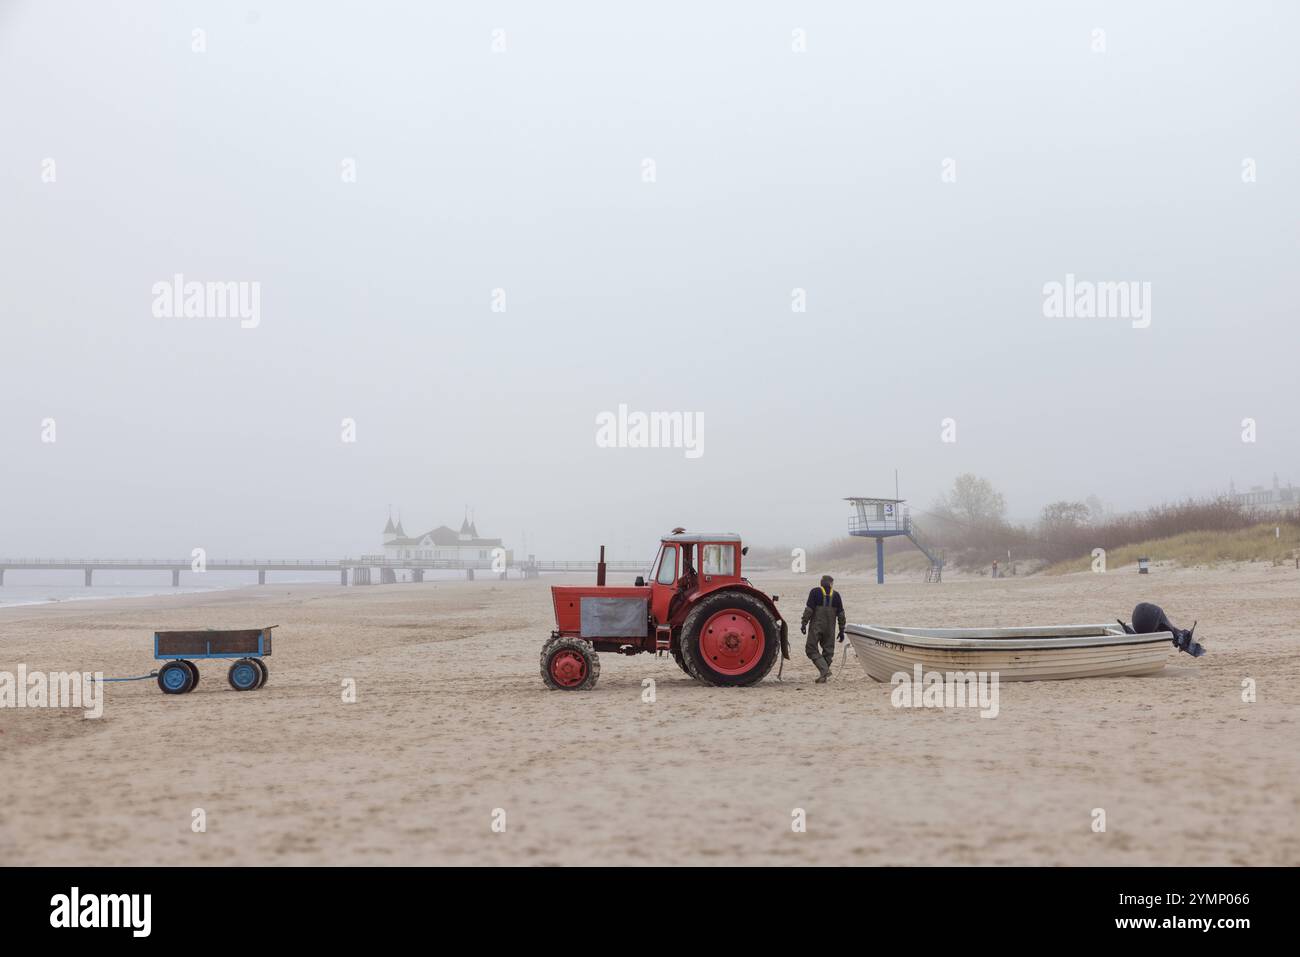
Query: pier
pixel 367 570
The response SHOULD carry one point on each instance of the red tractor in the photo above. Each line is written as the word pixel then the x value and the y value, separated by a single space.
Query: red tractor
pixel 719 628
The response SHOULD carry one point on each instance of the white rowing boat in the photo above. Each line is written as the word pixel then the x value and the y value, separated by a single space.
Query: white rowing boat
pixel 1016 654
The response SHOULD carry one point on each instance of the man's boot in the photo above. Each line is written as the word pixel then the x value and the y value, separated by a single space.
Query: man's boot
pixel 823 670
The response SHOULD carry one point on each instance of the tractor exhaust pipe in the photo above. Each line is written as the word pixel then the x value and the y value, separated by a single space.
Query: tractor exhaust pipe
pixel 600 568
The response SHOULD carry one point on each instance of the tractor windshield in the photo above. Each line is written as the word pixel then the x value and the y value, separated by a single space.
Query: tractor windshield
pixel 665 570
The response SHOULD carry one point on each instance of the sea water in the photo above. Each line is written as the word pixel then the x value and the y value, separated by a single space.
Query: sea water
pixel 40 587
pixel 13 595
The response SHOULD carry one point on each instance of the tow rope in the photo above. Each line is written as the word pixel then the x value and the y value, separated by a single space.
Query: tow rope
pixel 152 674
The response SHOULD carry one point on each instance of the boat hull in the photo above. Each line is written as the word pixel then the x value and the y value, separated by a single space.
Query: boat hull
pixel 1016 654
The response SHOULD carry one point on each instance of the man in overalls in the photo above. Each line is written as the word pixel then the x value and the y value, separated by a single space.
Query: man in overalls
pixel 824 611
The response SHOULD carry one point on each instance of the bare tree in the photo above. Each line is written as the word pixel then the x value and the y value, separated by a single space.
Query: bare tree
pixel 1064 528
pixel 1063 518
pixel 974 502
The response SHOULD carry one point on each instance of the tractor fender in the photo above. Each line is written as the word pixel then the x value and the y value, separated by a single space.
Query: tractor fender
pixel 783 629
pixel 762 596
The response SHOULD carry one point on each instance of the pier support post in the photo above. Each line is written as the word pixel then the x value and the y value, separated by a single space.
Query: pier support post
pixel 417 575
pixel 880 561
pixel 176 577
pixel 2 577
pixel 343 577
pixel 261 576
pixel 469 574
pixel 89 572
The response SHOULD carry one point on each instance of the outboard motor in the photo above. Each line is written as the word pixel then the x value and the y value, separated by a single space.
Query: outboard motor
pixel 1149 618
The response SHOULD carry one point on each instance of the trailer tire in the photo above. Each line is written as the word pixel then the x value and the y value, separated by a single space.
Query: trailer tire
pixel 194 671
pixel 175 678
pixel 731 639
pixel 244 675
pixel 570 664
pixel 266 673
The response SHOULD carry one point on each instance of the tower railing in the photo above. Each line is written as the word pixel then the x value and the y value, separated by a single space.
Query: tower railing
pixel 870 524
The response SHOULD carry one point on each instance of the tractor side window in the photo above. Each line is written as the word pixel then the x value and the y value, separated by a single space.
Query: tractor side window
pixel 719 559
pixel 667 566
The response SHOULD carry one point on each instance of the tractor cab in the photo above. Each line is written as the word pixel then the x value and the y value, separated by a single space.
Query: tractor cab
pixel 691 565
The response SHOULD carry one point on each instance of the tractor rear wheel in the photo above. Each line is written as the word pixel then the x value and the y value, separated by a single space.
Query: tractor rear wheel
pixel 730 638
pixel 570 664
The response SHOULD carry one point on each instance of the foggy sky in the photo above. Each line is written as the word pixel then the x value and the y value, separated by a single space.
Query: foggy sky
pixel 523 171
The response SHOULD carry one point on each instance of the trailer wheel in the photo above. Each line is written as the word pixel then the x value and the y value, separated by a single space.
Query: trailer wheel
pixel 175 678
pixel 570 664
pixel 266 673
pixel 194 670
pixel 244 675
pixel 730 638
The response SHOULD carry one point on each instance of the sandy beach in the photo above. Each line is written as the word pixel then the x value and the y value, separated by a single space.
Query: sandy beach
pixel 452 724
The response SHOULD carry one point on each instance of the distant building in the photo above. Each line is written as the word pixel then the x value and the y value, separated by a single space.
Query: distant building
pixel 1277 498
pixel 440 542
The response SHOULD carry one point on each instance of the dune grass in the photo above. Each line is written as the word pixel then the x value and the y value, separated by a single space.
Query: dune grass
pixel 1257 543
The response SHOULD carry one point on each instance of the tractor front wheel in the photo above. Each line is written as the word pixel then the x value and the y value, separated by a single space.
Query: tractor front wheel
pixel 730 638
pixel 570 664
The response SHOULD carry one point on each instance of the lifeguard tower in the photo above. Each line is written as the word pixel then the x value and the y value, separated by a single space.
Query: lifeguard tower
pixel 882 518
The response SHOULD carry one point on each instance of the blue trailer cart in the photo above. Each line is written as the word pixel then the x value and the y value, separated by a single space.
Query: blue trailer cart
pixel 247 647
